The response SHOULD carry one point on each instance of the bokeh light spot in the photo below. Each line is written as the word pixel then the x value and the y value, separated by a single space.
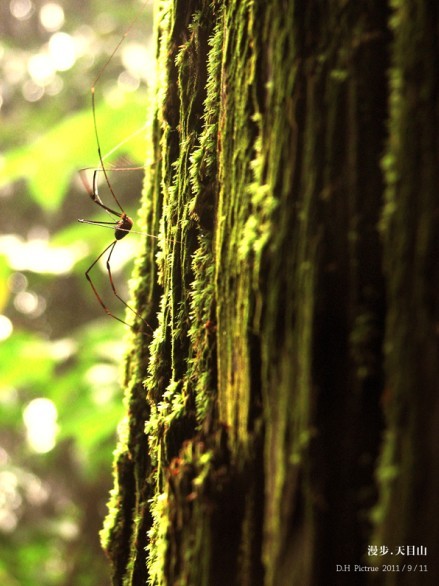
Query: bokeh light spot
pixel 41 69
pixel 30 303
pixel 38 256
pixel 51 16
pixel 6 327
pixel 40 418
pixel 32 92
pixel 62 51
pixel 21 9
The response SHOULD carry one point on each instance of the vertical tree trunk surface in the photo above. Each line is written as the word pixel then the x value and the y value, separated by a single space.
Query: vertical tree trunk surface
pixel 282 394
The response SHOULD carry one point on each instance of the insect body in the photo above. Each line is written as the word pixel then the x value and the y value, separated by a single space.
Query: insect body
pixel 123 226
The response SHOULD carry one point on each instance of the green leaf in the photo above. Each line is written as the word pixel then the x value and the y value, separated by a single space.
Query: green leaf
pixel 26 361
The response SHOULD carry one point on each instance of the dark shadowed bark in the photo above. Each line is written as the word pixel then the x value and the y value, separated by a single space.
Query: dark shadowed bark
pixel 282 396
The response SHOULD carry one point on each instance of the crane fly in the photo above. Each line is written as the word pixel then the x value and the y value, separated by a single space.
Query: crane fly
pixel 121 223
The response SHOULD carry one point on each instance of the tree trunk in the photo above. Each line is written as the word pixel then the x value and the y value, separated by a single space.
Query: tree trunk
pixel 282 405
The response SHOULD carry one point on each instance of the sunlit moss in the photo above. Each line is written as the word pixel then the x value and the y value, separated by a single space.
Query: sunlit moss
pixel 158 539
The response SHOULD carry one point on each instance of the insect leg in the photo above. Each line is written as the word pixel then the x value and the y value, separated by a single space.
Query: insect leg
pixel 111 247
pixel 89 279
pixel 92 191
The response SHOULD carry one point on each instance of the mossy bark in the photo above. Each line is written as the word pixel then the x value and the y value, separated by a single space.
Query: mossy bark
pixel 279 384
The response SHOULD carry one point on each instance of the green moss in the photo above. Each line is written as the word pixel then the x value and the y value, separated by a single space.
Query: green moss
pixel 158 539
pixel 111 519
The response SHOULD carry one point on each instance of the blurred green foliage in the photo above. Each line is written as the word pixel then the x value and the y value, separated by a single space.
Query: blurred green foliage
pixel 49 163
pixel 56 343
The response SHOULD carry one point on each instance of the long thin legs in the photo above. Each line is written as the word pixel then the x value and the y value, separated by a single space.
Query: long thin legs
pixel 89 279
pixel 110 247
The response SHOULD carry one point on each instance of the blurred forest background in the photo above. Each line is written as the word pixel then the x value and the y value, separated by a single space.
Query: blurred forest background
pixel 60 355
